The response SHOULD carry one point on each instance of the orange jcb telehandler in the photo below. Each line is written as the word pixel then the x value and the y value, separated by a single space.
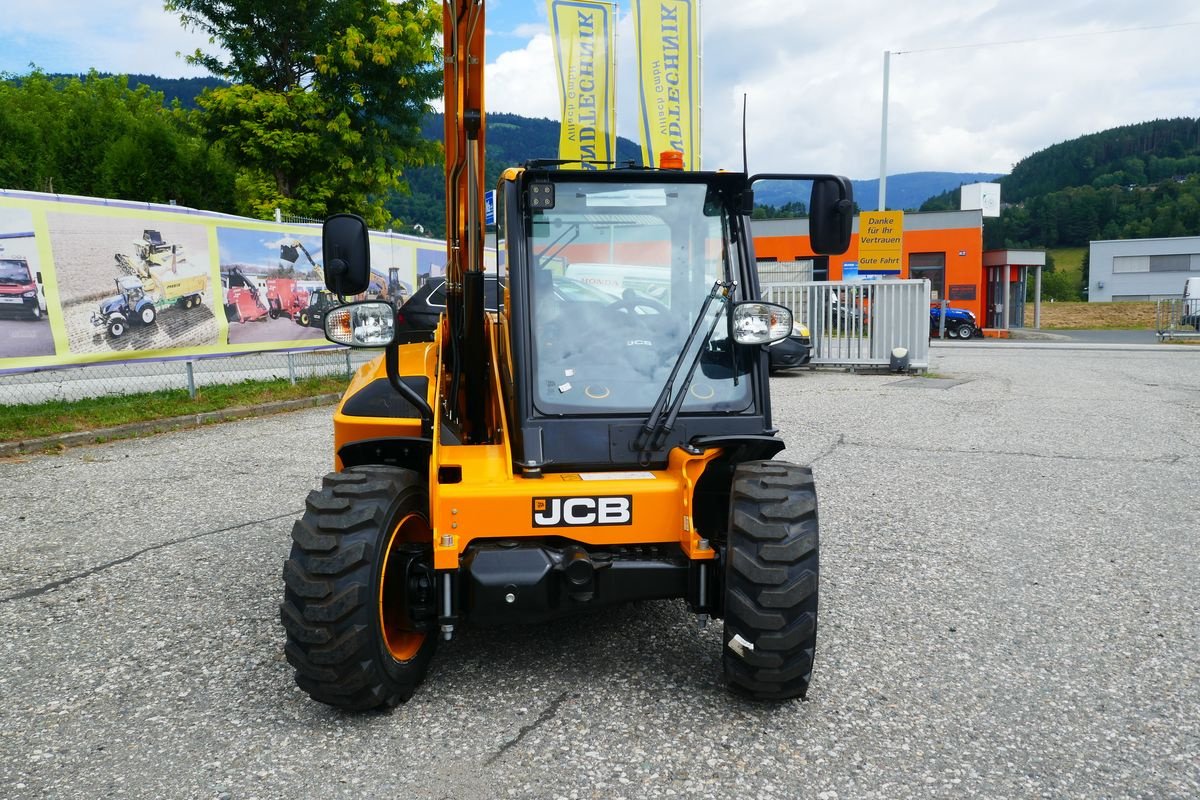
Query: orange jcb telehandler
pixel 573 450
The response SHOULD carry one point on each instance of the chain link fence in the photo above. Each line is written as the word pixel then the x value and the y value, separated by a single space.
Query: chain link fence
pixel 293 218
pixel 100 380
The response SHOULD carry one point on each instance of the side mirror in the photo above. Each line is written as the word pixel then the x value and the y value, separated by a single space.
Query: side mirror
pixel 347 254
pixel 832 216
pixel 830 207
pixel 761 323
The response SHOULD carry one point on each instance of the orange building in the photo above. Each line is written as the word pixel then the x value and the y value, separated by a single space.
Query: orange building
pixel 944 246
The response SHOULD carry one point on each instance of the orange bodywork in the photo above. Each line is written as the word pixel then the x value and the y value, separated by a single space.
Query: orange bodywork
pixel 475 494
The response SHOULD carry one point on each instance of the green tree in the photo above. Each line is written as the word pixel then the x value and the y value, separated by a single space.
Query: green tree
pixel 327 101
pixel 96 136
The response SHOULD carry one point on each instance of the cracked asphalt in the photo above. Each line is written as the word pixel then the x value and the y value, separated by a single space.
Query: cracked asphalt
pixel 1010 592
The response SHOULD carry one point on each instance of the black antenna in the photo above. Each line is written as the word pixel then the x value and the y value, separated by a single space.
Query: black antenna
pixel 745 161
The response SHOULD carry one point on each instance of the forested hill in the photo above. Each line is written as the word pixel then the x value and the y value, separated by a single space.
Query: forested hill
pixel 185 90
pixel 1132 155
pixel 908 190
pixel 511 140
pixel 1129 182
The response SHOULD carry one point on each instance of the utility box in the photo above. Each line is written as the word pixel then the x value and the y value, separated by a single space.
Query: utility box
pixel 982 196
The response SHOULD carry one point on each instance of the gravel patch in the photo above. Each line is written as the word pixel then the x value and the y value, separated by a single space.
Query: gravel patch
pixel 1009 596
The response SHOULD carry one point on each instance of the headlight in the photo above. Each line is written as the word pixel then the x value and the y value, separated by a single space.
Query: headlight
pixel 370 324
pixel 971 314
pixel 29 294
pixel 760 323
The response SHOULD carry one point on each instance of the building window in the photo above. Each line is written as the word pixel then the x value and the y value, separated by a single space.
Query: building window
pixel 820 268
pixel 932 267
pixel 1182 262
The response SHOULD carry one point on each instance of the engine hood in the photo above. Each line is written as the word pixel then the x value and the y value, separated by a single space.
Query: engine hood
pixel 112 304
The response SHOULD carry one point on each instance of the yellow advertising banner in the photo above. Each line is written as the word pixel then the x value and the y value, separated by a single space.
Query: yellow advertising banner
pixel 668 46
pixel 582 33
pixel 880 241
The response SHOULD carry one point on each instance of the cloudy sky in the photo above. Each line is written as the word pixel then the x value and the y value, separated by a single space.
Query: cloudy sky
pixel 976 85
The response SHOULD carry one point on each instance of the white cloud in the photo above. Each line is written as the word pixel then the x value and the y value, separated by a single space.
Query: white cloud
pixel 813 72
pixel 522 81
pixel 814 76
pixel 120 36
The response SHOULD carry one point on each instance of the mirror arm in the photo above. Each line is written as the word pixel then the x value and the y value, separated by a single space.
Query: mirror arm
pixel 391 358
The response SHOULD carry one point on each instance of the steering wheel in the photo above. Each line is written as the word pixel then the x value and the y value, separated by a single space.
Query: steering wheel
pixel 644 339
pixel 631 301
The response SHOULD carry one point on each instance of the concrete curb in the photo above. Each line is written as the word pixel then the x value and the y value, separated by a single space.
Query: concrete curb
pixel 133 429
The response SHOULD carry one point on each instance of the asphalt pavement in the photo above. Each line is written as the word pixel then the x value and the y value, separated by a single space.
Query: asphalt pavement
pixel 1010 590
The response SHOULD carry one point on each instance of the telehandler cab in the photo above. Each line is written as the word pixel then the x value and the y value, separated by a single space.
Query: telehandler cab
pixel 575 449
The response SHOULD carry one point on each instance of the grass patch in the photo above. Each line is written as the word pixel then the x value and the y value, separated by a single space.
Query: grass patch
pixel 36 420
pixel 1069 259
pixel 1095 316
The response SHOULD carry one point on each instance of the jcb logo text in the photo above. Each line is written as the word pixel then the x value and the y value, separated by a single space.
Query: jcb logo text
pixel 554 512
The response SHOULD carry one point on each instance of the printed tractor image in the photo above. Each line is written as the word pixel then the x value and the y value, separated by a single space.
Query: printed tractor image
pixel 285 298
pixel 151 252
pixel 137 303
pixel 151 283
pixel 572 450
pixel 320 304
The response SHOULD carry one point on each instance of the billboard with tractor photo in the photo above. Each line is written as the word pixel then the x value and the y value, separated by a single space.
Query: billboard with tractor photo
pixel 86 280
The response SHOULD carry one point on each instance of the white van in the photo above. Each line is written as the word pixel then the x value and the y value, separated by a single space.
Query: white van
pixel 614 279
pixel 1191 303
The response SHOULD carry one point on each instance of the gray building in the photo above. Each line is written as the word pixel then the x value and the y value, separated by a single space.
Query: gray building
pixel 1141 269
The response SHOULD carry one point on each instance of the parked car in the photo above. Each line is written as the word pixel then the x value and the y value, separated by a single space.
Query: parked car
pixel 417 318
pixel 794 351
pixel 1191 303
pixel 960 323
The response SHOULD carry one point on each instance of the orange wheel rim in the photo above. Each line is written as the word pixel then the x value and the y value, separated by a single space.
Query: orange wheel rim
pixel 401 643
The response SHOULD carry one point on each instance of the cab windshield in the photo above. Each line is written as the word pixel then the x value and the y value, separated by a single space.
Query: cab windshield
pixel 620 272
pixel 13 271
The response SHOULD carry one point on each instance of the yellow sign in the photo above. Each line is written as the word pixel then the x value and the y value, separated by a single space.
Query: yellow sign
pixel 880 240
pixel 668 46
pixel 585 58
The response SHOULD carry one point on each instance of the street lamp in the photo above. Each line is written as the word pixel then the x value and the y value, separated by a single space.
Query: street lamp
pixel 887 60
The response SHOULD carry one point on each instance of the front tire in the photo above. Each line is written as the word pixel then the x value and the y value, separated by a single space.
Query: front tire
pixel 771 580
pixel 360 555
pixel 965 331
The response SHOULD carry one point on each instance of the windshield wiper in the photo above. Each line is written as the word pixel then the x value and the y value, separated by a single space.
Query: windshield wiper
pixel 662 417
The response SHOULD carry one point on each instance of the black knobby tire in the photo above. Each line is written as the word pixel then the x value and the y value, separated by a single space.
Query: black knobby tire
pixel 771 577
pixel 346 651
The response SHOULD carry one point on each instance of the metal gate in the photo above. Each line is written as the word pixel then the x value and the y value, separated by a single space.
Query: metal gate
pixel 858 323
pixel 1176 319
